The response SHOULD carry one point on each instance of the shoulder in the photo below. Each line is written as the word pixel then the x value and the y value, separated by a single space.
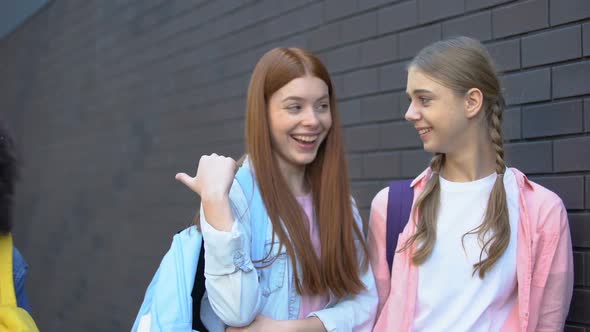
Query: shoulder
pixel 379 203
pixel 544 207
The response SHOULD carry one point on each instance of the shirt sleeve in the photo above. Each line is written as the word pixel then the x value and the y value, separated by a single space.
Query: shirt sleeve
pixel 557 292
pixel 377 245
pixel 231 279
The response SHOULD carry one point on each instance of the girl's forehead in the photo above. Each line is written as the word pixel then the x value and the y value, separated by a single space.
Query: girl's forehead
pixel 420 82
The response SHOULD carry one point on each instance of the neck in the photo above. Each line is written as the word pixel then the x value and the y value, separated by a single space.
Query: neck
pixel 295 178
pixel 470 163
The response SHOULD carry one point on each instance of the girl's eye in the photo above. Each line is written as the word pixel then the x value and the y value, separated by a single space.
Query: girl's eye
pixel 324 107
pixel 294 107
pixel 424 100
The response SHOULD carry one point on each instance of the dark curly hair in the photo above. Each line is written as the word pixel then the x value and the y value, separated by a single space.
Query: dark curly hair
pixel 8 177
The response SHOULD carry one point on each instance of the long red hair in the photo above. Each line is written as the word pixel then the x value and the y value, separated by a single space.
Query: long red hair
pixel 339 267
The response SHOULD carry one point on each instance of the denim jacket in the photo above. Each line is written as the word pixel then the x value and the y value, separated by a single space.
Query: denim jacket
pixel 19 271
pixel 237 290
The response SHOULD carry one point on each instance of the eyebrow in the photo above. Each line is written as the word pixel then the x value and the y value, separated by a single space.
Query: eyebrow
pixel 295 98
pixel 418 91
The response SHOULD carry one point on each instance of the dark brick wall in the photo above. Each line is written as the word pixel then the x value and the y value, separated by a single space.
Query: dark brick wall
pixel 109 99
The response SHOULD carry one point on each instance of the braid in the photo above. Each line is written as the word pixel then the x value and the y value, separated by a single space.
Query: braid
pixel 496 221
pixel 427 204
pixel 436 162
pixel 495 124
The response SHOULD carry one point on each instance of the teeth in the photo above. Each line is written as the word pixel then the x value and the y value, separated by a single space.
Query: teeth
pixel 424 131
pixel 307 139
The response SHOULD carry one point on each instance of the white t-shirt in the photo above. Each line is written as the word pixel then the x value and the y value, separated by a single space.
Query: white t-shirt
pixel 450 297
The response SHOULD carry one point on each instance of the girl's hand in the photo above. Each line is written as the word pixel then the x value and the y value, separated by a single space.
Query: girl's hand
pixel 214 177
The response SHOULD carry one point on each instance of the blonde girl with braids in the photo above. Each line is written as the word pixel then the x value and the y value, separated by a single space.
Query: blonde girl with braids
pixel 485 248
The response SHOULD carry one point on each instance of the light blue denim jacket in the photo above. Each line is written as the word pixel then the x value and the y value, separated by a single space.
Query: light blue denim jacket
pixel 237 291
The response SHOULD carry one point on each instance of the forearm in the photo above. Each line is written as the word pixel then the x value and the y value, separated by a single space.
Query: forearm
pixel 217 209
pixel 311 324
pixel 231 279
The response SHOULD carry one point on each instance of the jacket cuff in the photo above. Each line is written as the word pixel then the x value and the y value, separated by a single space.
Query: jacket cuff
pixel 225 252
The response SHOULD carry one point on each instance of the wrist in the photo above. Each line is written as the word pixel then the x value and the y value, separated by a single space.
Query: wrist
pixel 214 197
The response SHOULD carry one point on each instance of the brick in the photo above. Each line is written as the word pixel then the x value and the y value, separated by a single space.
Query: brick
pixel 506 54
pixel 380 107
pixel 404 104
pixel 343 58
pixel 530 157
pixel 587 192
pixel 570 328
pixel 570 188
pixel 579 269
pixel 552 46
pixel 398 135
pixel 526 87
pixel 571 79
pixel 411 42
pixel 397 17
pixel 431 10
pixel 382 165
pixel 350 111
pixel 355 166
pixel 393 77
pixel 511 124
pixel 552 119
pixel 587 115
pixel 324 37
pixel 369 4
pixel 579 307
pixel 572 154
pixel 364 192
pixel 359 27
pixel 508 20
pixel 478 26
pixel 379 50
pixel 414 162
pixel 568 11
pixel 358 83
pixel 334 9
pixel 298 20
pixel 586 38
pixel 579 229
pixel 479 4
pixel 363 138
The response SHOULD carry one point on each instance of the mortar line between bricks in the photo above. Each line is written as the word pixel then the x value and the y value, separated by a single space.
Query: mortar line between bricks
pixel 203 44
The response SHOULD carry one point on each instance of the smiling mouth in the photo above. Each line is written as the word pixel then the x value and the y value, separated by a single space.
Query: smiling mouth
pixel 424 131
pixel 305 139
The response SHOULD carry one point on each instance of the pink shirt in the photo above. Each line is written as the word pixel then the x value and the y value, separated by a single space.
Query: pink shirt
pixel 311 303
pixel 544 263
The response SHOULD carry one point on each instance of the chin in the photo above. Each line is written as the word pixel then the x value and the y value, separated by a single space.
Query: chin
pixel 305 160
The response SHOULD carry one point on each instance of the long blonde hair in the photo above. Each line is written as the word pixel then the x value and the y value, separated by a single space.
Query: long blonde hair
pixel 461 64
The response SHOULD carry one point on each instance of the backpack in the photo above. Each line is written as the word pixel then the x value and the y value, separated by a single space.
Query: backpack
pixel 12 318
pixel 399 206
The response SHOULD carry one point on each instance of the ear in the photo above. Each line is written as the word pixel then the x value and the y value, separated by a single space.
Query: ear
pixel 473 102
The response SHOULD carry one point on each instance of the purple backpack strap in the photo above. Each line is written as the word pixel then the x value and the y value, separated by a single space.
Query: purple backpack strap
pixel 399 205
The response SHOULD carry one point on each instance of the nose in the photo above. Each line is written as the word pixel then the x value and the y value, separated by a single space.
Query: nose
pixel 310 118
pixel 412 114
